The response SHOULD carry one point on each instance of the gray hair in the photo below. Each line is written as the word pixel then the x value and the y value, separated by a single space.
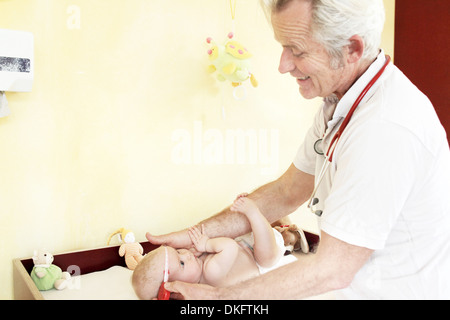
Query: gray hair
pixel 334 22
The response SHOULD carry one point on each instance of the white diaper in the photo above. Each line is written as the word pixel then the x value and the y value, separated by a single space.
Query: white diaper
pixel 249 241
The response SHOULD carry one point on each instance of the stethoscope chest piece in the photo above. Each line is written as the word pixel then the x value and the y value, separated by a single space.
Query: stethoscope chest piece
pixel 318 147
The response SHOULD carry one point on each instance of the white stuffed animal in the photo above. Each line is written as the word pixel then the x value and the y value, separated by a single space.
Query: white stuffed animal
pixel 47 275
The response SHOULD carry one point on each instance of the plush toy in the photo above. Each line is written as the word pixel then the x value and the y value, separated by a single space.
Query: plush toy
pixel 47 275
pixel 231 61
pixel 131 249
pixel 294 238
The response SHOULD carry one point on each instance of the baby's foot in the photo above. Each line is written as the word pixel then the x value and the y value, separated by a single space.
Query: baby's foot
pixel 244 194
pixel 245 205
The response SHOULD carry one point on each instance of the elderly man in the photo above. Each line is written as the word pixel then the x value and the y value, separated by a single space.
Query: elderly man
pixel 380 187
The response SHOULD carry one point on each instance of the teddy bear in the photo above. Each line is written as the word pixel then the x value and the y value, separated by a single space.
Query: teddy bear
pixel 294 238
pixel 47 275
pixel 132 250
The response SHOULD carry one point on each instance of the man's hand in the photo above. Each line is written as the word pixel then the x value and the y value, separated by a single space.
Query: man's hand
pixel 190 291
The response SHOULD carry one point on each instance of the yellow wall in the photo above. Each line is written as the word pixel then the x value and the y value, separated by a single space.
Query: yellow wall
pixel 124 128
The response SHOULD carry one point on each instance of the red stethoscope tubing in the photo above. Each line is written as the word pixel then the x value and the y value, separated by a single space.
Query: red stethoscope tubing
pixel 341 129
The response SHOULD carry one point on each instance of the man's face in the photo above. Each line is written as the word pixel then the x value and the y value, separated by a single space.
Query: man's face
pixel 305 59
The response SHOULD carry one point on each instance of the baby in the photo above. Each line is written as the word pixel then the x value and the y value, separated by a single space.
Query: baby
pixel 219 261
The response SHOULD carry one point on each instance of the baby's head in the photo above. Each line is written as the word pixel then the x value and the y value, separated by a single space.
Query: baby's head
pixel 149 273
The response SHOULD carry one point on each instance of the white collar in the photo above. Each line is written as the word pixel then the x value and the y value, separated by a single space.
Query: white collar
pixel 352 94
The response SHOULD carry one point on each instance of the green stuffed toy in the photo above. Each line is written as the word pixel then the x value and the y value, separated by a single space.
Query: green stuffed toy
pixel 47 275
pixel 231 61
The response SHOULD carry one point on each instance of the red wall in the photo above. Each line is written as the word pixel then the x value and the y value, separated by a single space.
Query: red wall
pixel 422 49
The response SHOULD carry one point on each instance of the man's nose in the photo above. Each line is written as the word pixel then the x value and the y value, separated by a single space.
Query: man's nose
pixel 286 61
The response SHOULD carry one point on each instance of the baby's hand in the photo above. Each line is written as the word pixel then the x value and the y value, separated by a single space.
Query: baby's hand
pixel 198 238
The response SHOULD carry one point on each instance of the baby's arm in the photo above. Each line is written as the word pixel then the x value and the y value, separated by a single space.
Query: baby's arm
pixel 225 251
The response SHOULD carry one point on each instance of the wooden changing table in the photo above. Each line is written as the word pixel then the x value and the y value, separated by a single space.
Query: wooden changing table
pixel 86 260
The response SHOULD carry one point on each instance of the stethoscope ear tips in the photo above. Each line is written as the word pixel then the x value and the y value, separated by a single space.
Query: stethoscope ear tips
pixel 315 201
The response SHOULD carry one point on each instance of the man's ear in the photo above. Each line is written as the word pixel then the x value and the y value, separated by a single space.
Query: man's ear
pixel 355 49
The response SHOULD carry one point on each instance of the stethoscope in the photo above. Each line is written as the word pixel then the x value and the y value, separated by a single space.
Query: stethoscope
pixel 313 200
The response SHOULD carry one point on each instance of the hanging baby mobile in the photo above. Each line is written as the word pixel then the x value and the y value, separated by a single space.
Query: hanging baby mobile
pixel 230 61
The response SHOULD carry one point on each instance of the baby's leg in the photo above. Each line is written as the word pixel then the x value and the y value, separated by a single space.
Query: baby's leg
pixel 265 248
